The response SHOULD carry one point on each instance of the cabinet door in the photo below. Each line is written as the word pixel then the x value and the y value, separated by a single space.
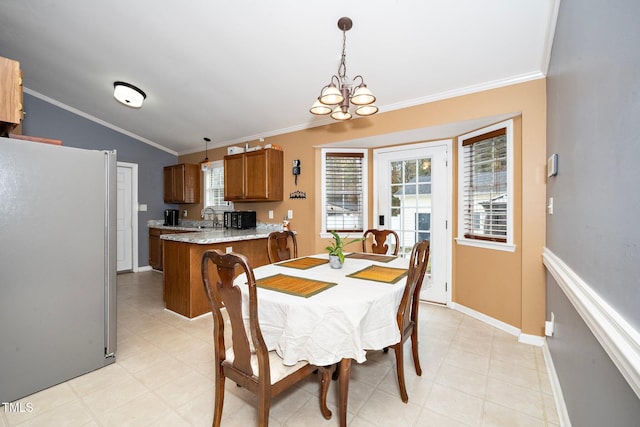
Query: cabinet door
pixel 178 183
pixel 10 91
pixel 191 183
pixel 155 249
pixel 256 175
pixel 168 184
pixel 234 177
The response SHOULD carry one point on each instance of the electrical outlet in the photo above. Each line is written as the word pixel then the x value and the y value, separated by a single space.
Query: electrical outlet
pixel 142 207
pixel 550 206
pixel 270 214
pixel 228 249
pixel 290 214
pixel 184 213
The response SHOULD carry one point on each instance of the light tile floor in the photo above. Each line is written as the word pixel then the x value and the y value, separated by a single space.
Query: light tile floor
pixel 473 375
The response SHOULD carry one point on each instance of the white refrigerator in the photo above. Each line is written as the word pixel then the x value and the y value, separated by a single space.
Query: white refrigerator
pixel 57 264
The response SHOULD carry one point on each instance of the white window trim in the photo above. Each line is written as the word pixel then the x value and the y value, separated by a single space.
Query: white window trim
pixel 509 245
pixel 365 190
pixel 227 206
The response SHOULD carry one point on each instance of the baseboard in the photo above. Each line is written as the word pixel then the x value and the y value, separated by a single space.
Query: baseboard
pixel 486 319
pixel 558 397
pixel 616 336
pixel 145 268
pixel 532 339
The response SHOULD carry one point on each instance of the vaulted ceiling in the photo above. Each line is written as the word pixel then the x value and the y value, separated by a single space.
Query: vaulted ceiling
pixel 238 70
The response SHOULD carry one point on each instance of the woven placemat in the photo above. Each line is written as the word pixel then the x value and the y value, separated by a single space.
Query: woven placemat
pixel 379 273
pixel 371 257
pixel 291 285
pixel 303 263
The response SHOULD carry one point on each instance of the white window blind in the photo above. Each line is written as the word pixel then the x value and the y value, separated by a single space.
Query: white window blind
pixel 485 186
pixel 214 187
pixel 344 198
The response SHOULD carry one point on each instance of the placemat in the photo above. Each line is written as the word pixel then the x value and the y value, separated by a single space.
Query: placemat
pixel 303 263
pixel 371 257
pixel 291 285
pixel 378 273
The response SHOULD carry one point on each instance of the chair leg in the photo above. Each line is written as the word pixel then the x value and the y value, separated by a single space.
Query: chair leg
pixel 325 380
pixel 414 350
pixel 264 405
pixel 400 371
pixel 218 399
pixel 336 372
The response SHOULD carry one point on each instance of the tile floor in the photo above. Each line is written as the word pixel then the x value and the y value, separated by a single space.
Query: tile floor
pixel 473 375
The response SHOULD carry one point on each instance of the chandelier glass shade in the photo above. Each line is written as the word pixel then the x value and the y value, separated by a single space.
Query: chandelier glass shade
pixel 336 97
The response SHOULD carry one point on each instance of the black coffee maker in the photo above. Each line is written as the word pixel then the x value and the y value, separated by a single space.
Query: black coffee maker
pixel 171 216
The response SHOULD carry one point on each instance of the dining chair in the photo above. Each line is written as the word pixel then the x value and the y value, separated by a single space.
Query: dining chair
pixel 378 243
pixel 247 361
pixel 407 316
pixel 279 245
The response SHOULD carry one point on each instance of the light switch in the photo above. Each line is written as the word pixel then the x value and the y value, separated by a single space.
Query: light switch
pixel 142 208
pixel 290 214
pixel 550 206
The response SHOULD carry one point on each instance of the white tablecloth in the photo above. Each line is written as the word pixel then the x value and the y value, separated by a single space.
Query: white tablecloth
pixel 341 322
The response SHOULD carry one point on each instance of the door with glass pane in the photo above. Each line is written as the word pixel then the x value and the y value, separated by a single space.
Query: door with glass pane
pixel 413 199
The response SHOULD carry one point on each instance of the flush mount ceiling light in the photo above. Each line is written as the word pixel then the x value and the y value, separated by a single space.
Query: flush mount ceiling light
pixel 336 97
pixel 128 94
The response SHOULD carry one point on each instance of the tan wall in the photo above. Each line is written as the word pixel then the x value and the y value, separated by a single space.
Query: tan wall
pixel 506 286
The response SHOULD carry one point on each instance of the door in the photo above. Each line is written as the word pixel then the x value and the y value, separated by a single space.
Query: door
pixel 413 198
pixel 125 216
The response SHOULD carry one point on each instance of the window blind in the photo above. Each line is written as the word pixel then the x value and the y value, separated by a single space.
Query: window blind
pixel 485 186
pixel 214 186
pixel 344 192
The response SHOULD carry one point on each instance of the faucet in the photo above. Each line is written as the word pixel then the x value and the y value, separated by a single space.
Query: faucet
pixel 209 210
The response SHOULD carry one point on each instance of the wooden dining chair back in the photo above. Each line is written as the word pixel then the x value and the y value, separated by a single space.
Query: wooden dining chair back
pixel 407 317
pixel 247 361
pixel 280 244
pixel 375 241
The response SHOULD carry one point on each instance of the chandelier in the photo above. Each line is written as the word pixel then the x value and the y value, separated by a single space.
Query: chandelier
pixel 336 97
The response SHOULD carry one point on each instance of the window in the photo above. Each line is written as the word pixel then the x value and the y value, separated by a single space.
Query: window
pixel 485 164
pixel 214 187
pixel 344 195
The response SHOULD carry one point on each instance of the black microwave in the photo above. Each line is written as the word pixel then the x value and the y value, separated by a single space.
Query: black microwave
pixel 240 219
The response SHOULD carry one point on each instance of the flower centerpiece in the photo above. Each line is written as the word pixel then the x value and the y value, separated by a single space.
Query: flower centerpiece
pixel 336 249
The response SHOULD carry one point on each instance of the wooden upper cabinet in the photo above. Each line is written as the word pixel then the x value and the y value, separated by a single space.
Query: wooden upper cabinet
pixel 182 183
pixel 10 91
pixel 256 176
pixel 233 177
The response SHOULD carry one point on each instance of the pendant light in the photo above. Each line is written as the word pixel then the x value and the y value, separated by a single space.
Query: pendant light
pixel 206 164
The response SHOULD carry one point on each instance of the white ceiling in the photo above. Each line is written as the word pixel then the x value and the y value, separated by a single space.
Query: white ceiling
pixel 238 70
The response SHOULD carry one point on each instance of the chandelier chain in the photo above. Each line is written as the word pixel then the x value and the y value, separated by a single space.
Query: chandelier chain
pixel 342 70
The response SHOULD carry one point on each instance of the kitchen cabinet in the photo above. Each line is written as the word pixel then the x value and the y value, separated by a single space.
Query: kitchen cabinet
pixel 10 95
pixel 182 183
pixel 183 291
pixel 156 248
pixel 255 176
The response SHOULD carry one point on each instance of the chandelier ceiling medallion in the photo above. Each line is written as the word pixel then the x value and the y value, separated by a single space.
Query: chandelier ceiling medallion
pixel 336 97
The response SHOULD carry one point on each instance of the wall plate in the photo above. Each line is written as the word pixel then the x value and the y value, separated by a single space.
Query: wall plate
pixel 552 165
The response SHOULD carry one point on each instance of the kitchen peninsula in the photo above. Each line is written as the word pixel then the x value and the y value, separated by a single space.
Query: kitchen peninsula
pixel 183 290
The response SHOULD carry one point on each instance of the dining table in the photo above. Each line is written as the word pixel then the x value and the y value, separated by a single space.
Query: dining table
pixel 311 312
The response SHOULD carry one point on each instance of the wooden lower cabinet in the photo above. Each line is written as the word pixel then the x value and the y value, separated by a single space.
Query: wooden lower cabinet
pixel 183 289
pixel 155 246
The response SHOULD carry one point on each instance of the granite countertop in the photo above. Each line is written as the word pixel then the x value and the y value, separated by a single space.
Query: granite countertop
pixel 209 235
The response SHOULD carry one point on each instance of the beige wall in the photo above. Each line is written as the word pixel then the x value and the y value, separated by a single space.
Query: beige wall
pixel 506 286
